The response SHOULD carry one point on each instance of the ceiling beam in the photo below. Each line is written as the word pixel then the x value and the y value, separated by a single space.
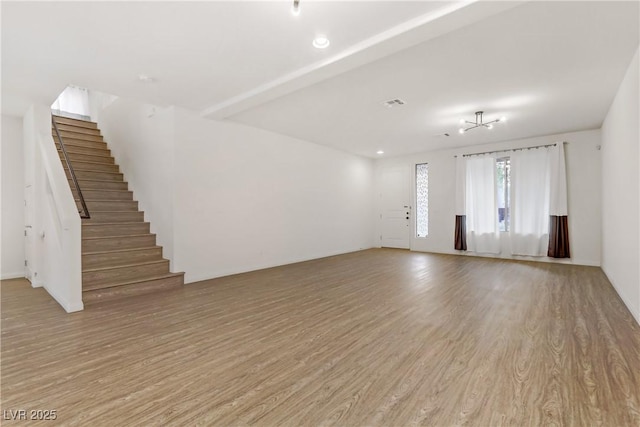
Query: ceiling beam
pixel 450 17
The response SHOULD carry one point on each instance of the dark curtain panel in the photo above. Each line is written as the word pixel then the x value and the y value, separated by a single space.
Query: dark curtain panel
pixel 461 233
pixel 558 237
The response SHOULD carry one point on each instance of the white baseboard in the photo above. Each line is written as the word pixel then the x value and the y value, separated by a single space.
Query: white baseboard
pixel 625 299
pixel 567 261
pixel 17 275
pixel 190 278
pixel 69 306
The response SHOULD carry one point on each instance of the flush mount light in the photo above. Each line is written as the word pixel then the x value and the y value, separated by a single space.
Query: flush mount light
pixel 295 10
pixel 321 42
pixel 479 123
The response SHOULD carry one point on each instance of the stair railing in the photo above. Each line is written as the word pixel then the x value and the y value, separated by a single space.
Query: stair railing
pixel 84 212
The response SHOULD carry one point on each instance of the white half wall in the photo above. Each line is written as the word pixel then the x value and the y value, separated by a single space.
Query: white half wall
pixel 12 211
pixel 54 237
pixel 583 187
pixel 247 199
pixel 141 138
pixel 621 191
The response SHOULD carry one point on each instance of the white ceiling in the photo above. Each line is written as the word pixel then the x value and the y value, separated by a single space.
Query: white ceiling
pixel 200 53
pixel 549 66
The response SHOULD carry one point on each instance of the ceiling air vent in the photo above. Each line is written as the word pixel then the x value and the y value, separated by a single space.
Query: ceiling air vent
pixel 393 103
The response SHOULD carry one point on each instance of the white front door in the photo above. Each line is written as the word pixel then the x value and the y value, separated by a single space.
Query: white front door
pixel 395 215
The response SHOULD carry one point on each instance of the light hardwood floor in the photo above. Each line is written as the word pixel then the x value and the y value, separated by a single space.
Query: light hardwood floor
pixel 378 337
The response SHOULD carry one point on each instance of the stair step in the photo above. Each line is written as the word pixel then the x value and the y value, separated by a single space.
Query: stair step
pixel 78 148
pixel 91 260
pixel 110 205
pixel 97 184
pixel 96 244
pixel 93 166
pixel 85 157
pixel 132 288
pixel 78 136
pixel 91 194
pixel 120 256
pixel 105 229
pixel 108 276
pixel 75 122
pixel 76 129
pixel 88 174
pixel 75 144
pixel 114 216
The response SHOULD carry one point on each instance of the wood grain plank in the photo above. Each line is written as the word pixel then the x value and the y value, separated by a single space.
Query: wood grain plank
pixel 377 337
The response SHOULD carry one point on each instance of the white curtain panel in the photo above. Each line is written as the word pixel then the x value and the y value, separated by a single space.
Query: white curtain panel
pixel 481 205
pixel 530 195
pixel 460 185
pixel 558 201
pixel 73 100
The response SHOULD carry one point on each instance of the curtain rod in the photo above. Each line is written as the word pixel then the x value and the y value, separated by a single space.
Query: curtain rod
pixel 510 149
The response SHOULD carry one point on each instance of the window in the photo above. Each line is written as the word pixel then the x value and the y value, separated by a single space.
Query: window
pixel 422 200
pixel 503 174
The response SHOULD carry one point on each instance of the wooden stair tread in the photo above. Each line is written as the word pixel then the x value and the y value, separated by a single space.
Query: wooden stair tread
pixel 113 267
pixel 91 170
pixel 100 224
pixel 112 211
pixel 107 200
pixel 80 122
pixel 62 127
pixel 88 162
pixel 77 131
pixel 120 250
pixel 96 180
pixel 135 281
pixel 72 151
pixel 111 237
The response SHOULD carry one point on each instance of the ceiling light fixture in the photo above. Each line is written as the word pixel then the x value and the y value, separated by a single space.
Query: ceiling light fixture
pixel 295 10
pixel 321 42
pixel 479 123
pixel 379 152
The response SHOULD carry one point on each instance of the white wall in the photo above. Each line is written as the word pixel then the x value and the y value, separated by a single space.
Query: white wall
pixel 247 199
pixel 12 211
pixel 621 191
pixel 226 198
pixel 53 243
pixel 141 138
pixel 583 182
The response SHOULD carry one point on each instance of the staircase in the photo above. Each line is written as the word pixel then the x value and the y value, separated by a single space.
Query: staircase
pixel 119 253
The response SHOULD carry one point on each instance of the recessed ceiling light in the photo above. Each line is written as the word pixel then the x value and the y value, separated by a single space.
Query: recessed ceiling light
pixel 379 152
pixel 321 42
